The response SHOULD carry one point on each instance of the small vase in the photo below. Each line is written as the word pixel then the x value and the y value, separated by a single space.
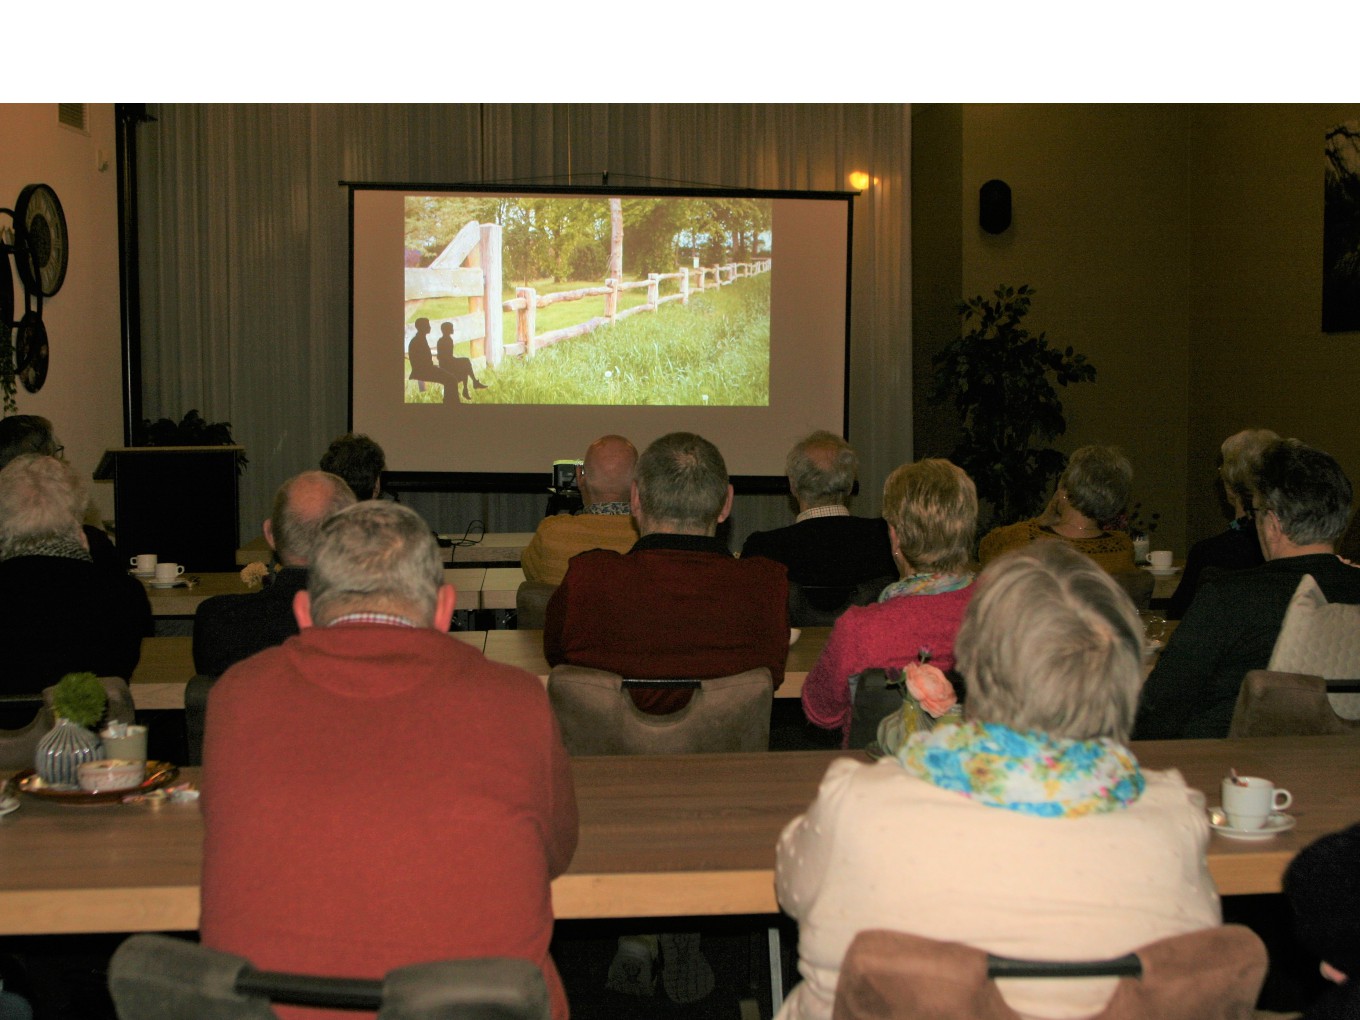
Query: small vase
pixel 63 750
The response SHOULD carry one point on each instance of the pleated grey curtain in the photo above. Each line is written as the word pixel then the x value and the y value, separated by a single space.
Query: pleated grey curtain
pixel 245 253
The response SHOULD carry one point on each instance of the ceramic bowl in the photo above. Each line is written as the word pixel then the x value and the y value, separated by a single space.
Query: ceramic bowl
pixel 110 774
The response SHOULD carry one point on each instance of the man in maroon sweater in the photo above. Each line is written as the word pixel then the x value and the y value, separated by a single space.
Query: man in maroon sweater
pixel 678 605
pixel 375 792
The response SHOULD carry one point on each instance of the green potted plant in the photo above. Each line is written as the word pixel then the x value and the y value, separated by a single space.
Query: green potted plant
pixel 1002 379
pixel 78 704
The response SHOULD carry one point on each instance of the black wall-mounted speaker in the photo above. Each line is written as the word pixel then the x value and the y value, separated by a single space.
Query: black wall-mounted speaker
pixel 994 206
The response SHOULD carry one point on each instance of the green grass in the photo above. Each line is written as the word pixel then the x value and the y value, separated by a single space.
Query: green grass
pixel 713 352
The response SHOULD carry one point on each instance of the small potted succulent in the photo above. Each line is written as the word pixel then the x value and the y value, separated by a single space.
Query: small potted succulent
pixel 78 704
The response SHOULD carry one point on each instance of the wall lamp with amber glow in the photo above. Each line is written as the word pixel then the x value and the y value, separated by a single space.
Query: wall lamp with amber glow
pixel 860 181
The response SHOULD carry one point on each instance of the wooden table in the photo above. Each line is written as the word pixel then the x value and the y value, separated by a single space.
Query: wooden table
pixel 671 836
pixel 493 547
pixel 167 663
pixel 524 648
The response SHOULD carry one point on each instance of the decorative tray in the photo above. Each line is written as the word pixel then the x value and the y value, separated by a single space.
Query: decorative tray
pixel 158 774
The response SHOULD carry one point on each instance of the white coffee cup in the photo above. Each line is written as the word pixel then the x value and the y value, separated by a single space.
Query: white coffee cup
pixel 166 572
pixel 1248 801
pixel 144 563
pixel 1141 545
pixel 1160 558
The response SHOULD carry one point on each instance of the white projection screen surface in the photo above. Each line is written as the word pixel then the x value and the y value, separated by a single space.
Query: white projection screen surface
pixel 495 331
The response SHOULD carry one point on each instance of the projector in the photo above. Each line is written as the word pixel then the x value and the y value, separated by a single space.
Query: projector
pixel 564 475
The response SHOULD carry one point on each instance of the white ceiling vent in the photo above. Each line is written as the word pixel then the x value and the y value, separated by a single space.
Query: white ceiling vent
pixel 72 115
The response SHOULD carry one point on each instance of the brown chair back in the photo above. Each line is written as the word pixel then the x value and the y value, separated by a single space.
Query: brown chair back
pixel 597 715
pixel 1274 704
pixel 1213 974
pixel 531 604
pixel 1138 584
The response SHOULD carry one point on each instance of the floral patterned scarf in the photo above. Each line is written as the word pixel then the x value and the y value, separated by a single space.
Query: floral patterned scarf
pixel 1027 771
pixel 925 584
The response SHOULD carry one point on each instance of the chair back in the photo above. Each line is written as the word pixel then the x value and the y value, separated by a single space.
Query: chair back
pixel 1321 639
pixel 18 746
pixel 597 715
pixel 816 605
pixel 155 977
pixel 1213 974
pixel 872 698
pixel 196 693
pixel 1272 704
pixel 531 604
pixel 1138 585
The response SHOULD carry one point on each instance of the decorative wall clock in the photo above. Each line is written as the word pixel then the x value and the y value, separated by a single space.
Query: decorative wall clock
pixel 40 239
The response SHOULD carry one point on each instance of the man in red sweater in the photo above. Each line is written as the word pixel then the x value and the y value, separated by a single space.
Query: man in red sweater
pixel 375 792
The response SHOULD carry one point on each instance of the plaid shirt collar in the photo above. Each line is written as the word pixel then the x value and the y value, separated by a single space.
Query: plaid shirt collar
pixel 835 510
pixel 389 619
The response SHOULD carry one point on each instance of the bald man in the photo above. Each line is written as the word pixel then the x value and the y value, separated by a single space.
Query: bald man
pixel 229 628
pixel 605 521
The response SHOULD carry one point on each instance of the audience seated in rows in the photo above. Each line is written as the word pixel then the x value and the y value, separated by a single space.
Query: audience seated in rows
pixel 826 546
pixel 931 513
pixel 374 792
pixel 1092 490
pixel 1026 830
pixel 359 461
pixel 1322 885
pixel 229 628
pixel 604 521
pixel 678 604
pixel 1236 548
pixel 59 613
pixel 1302 503
pixel 30 433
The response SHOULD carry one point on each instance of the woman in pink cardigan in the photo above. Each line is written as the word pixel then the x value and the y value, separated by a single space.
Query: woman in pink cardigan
pixel 931 510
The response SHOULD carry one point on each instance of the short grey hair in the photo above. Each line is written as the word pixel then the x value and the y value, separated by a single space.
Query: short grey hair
pixel 932 506
pixel 822 470
pixel 40 497
pixel 1306 490
pixel 682 480
pixel 1098 480
pixel 1241 453
pixel 375 556
pixel 301 505
pixel 358 460
pixel 1051 642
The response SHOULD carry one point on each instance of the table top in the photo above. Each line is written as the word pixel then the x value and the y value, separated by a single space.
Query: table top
pixel 493 547
pixel 660 836
pixel 183 600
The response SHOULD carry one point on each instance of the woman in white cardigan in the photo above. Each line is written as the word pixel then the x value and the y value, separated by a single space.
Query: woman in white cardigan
pixel 1028 830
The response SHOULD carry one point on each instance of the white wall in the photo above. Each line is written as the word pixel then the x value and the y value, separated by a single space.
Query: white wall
pixel 82 396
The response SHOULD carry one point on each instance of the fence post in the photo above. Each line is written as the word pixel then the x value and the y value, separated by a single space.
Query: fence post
pixel 653 291
pixel 491 293
pixel 684 286
pixel 611 300
pixel 527 320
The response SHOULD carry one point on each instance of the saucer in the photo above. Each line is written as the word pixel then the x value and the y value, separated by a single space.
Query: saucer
pixel 176 583
pixel 8 804
pixel 1277 823
pixel 1161 571
pixel 144 574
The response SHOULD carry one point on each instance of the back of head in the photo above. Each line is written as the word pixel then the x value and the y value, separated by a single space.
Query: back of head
pixel 1306 490
pixel 1241 454
pixel 1050 642
pixel 822 470
pixel 932 507
pixel 607 470
pixel 682 482
pixel 40 498
pixel 301 505
pixel 1322 885
pixel 358 460
pixel 26 433
pixel 375 557
pixel 1098 480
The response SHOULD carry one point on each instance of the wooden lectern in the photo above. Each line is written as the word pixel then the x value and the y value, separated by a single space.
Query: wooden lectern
pixel 179 502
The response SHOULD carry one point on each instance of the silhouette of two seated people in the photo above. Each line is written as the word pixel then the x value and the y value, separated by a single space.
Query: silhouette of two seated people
pixel 451 372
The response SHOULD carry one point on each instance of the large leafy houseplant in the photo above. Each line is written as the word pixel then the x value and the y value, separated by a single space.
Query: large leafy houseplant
pixel 1002 379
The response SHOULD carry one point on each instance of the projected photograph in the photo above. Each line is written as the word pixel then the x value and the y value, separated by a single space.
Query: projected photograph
pixel 656 301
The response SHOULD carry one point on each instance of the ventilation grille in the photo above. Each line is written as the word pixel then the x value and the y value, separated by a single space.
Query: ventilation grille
pixel 72 115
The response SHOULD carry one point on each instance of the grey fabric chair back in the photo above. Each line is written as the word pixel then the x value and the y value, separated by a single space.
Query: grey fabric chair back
pixel 871 698
pixel 1213 974
pixel 597 715
pixel 155 977
pixel 18 746
pixel 1275 704
pixel 531 604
